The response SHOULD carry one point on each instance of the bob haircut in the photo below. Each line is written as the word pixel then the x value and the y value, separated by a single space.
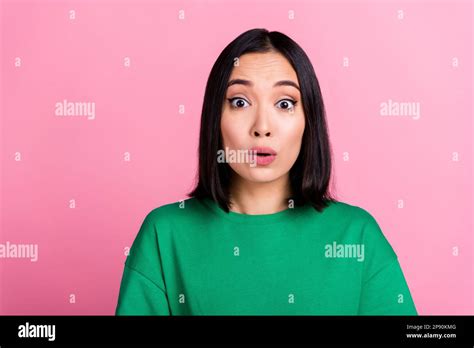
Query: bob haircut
pixel 311 173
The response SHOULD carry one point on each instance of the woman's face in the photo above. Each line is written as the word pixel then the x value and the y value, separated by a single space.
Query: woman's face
pixel 262 112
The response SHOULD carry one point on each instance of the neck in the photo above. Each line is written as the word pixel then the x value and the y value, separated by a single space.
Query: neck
pixel 259 198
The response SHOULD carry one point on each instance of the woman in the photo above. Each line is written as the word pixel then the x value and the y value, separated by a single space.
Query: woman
pixel 261 234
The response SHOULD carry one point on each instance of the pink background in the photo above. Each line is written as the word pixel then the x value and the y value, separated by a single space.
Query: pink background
pixel 81 249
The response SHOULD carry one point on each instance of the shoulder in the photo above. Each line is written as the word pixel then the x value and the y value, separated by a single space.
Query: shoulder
pixel 361 220
pixel 349 213
pixel 355 220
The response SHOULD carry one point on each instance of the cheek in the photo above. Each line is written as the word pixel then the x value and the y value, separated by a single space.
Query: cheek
pixel 291 142
pixel 231 132
pixel 293 137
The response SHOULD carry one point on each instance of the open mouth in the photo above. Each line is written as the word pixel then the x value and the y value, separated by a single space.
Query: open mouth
pixel 263 151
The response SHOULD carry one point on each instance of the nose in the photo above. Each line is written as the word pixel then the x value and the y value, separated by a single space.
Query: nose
pixel 257 133
pixel 261 126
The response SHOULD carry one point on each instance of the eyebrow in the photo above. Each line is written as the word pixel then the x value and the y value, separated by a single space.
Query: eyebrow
pixel 250 83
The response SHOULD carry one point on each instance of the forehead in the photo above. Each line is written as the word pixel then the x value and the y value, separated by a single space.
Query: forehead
pixel 269 66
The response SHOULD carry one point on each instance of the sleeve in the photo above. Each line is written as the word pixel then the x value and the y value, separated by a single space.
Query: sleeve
pixel 384 288
pixel 142 288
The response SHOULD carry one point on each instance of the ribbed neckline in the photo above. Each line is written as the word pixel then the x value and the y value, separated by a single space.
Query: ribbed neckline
pixel 281 216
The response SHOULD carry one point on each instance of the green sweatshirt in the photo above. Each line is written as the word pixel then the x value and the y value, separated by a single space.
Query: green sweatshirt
pixel 193 258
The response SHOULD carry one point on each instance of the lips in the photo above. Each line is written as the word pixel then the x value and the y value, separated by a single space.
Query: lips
pixel 265 155
pixel 263 151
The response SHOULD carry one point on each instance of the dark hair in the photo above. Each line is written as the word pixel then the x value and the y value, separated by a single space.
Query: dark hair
pixel 311 173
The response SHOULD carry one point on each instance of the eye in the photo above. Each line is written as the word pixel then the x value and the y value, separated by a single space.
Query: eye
pixel 239 102
pixel 287 104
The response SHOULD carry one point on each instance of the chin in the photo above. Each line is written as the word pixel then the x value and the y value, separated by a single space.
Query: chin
pixel 261 174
